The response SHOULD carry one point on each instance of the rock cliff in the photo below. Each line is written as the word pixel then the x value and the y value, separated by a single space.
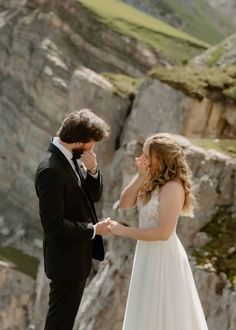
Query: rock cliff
pixel 52 62
pixel 209 82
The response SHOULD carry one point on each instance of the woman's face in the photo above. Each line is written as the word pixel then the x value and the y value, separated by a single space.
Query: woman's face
pixel 152 161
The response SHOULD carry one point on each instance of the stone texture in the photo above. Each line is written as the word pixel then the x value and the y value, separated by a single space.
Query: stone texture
pixel 33 87
pixel 222 54
pixel 91 90
pixel 217 298
pixel 39 84
pixel 39 305
pixel 215 121
pixel 230 116
pixel 206 118
pixel 157 107
pixel 209 119
pixel 16 296
pixel 112 51
pixel 162 108
pixel 6 4
pixel 197 117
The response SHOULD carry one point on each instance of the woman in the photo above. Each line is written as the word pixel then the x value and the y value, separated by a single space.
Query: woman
pixel 162 293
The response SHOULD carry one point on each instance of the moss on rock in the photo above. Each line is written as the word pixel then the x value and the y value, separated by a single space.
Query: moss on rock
pixel 123 85
pixel 215 56
pixel 230 93
pixel 220 251
pixel 215 83
pixel 226 146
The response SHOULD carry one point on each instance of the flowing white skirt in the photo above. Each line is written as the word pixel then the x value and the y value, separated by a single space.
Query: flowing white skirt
pixel 162 293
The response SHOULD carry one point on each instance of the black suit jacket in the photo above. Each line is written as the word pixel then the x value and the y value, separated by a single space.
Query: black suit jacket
pixel 67 212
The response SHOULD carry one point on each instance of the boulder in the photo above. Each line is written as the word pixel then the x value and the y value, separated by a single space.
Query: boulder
pixel 16 296
pixel 157 108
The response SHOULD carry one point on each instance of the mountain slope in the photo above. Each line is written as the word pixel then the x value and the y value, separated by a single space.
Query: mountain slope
pixel 226 7
pixel 175 44
pixel 196 17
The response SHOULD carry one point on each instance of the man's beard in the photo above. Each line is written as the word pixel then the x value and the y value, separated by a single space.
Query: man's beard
pixel 77 152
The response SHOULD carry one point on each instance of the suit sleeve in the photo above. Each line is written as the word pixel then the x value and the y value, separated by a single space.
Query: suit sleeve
pixel 49 188
pixel 94 186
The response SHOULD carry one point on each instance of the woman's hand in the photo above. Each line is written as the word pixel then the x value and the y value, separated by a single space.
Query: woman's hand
pixel 116 228
pixel 142 165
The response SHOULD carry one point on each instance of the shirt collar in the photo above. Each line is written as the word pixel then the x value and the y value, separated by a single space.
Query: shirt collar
pixel 67 153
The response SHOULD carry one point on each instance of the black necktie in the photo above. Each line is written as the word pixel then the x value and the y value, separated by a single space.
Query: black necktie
pixel 77 169
pixel 74 160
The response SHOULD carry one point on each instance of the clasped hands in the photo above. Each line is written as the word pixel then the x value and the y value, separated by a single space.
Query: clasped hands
pixel 108 226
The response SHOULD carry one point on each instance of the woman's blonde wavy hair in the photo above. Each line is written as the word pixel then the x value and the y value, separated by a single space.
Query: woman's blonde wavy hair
pixel 172 165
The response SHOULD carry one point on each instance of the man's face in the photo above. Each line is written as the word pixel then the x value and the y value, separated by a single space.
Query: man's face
pixel 80 148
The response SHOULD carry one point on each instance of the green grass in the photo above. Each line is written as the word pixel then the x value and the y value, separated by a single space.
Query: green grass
pixel 215 56
pixel 201 20
pixel 123 85
pixel 230 93
pixel 219 251
pixel 215 83
pixel 175 44
pixel 225 146
pixel 22 262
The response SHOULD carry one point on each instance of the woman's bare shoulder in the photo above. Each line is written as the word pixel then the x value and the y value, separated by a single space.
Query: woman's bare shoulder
pixel 172 187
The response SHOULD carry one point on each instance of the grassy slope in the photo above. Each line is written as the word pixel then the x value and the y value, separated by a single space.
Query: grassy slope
pixel 22 262
pixel 173 43
pixel 200 20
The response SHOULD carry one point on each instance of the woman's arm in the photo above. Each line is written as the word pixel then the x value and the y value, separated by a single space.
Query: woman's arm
pixel 170 206
pixel 129 195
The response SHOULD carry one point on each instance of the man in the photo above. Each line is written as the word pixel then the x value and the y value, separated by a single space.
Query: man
pixel 67 189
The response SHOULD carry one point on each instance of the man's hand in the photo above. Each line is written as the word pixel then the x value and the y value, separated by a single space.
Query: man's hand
pixel 89 159
pixel 102 227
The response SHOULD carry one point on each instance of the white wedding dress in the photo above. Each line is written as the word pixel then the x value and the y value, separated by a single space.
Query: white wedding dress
pixel 162 293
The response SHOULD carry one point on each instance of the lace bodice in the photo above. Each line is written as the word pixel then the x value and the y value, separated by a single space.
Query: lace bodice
pixel 148 213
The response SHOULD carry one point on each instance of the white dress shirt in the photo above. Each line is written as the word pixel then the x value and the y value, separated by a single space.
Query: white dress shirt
pixel 68 154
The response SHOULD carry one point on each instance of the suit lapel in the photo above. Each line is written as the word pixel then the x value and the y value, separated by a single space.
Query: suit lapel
pixel 52 148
